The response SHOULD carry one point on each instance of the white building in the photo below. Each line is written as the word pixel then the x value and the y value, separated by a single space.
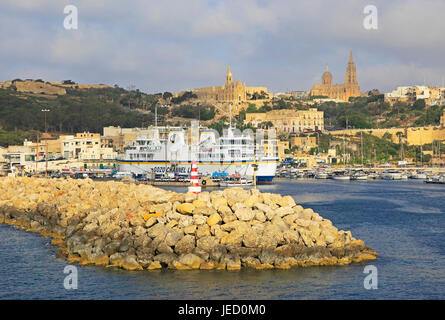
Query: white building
pixel 410 92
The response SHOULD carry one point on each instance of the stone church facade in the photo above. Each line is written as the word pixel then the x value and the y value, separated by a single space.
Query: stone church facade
pixel 231 91
pixel 338 91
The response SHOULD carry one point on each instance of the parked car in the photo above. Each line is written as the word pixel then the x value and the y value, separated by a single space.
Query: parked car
pixel 56 175
pixel 79 176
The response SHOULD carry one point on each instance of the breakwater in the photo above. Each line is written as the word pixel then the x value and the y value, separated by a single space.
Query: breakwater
pixel 138 227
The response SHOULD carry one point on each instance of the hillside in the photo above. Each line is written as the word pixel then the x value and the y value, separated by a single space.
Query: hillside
pixel 374 112
pixel 76 110
pixel 78 107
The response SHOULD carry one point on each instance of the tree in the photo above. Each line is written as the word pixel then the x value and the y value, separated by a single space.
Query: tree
pixel 265 125
pixel 419 104
pixel 251 108
pixel 167 95
pixel 184 97
pixel 265 108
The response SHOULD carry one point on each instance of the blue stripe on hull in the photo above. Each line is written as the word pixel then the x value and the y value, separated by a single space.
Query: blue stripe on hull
pixel 264 179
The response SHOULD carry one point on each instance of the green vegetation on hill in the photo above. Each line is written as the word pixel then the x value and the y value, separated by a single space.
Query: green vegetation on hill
pixel 374 112
pixel 184 97
pixel 193 112
pixel 77 111
pixel 362 112
pixel 8 138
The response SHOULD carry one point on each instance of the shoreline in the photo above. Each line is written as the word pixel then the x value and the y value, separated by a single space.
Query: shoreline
pixel 140 227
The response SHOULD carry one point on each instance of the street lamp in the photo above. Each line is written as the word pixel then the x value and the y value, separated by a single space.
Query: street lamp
pixel 44 112
pixel 46 155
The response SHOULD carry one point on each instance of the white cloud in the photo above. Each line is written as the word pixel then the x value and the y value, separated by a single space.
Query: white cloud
pixel 176 44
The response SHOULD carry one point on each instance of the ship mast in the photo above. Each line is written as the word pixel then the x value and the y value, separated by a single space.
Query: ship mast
pixel 230 116
pixel 156 115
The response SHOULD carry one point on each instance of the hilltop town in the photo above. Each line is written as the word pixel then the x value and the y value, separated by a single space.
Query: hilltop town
pixel 90 125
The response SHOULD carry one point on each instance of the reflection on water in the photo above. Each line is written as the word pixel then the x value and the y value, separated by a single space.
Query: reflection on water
pixel 402 220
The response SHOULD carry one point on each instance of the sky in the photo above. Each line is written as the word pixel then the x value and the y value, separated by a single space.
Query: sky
pixel 175 45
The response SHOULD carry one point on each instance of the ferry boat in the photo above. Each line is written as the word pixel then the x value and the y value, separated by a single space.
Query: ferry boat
pixel 234 153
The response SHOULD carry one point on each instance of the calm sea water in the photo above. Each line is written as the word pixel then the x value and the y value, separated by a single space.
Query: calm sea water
pixel 404 221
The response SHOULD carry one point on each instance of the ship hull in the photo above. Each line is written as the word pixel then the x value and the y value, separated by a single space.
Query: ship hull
pixel 265 173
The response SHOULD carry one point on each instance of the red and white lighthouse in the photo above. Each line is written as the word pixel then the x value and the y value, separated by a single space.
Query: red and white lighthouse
pixel 194 180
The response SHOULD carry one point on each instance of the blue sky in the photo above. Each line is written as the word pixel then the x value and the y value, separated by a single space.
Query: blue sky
pixel 174 45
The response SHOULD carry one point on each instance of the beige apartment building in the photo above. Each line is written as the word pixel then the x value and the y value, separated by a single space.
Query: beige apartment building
pixel 289 121
pixel 85 146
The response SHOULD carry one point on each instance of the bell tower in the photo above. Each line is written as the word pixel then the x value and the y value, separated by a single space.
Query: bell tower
pixel 351 73
pixel 228 76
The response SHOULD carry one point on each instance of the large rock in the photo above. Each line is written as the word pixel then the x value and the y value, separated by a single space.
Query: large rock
pixel 245 214
pixel 233 238
pixel 251 239
pixel 158 230
pixel 172 237
pixel 185 208
pixel 185 245
pixel 207 243
pixel 191 260
pixel 214 219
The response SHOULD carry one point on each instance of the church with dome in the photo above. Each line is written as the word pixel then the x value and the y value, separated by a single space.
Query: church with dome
pixel 231 91
pixel 338 91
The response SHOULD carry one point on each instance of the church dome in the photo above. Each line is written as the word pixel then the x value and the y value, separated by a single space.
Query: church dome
pixel 327 77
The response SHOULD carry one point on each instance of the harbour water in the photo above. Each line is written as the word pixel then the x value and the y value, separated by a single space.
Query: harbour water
pixel 402 220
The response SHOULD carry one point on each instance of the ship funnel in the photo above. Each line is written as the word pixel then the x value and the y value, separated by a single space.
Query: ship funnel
pixel 207 137
pixel 176 139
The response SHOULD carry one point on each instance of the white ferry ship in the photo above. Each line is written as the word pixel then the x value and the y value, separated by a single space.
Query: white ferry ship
pixel 233 154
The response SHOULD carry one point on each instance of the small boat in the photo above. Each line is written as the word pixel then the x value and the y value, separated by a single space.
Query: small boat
pixel 321 175
pixel 309 175
pixel 436 180
pixel 419 175
pixel 285 173
pixel 373 176
pixel 236 182
pixel 359 176
pixel 342 175
pixel 391 175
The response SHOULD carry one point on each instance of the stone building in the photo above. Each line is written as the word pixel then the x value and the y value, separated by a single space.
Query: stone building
pixel 289 121
pixel 338 91
pixel 231 91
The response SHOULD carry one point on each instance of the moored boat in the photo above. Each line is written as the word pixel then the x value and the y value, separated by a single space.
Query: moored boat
pixel 236 182
pixel 391 175
pixel 436 180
